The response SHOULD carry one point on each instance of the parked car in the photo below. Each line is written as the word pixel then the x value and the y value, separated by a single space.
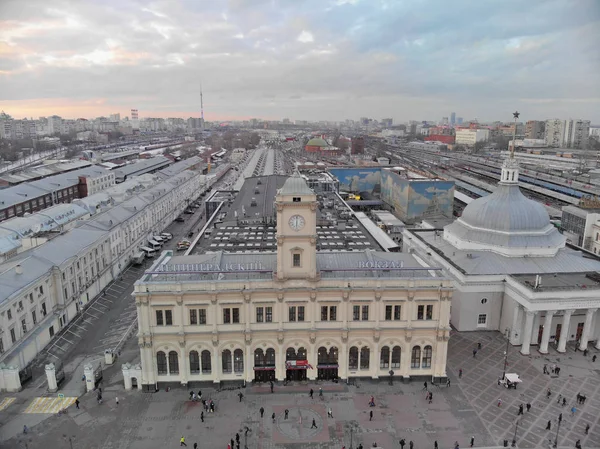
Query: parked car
pixel 167 235
pixel 179 219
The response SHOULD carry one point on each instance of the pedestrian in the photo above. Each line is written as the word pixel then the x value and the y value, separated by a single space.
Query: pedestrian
pixel 262 412
pixel 548 393
pixel 424 386
pixel 456 446
pixel 237 444
pixel 578 398
pixel 578 444
pixel 194 397
pixel 272 386
pixel 402 443
pixel 232 443
pixel 472 441
pixel 448 382
pixel 545 368
pixel 77 403
pixel 583 400
pixel 182 442
pixel 411 444
pixel 202 416
pixel 478 345
pixel 330 413
pixel 241 396
pixel 460 373
pixel 286 413
pixel 549 425
pixel 594 358
pixel 199 394
pixel 557 370
pixel 435 444
pixel 371 415
pixel 528 406
pixel 573 410
pixel 195 445
pixel 553 368
pixel 474 353
pixel 564 402
pixel 311 393
pixel 229 446
pixel 191 395
pixel 430 397
pixel 560 418
pixel 585 352
pixel 587 428
pixel 273 416
pixel 25 429
pixel 314 424
pixel 237 437
pixel 559 398
pixel 499 402
pixel 520 410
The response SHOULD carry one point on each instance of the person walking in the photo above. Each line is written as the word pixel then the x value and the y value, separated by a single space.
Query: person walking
pixel 430 397
pixel 435 445
pixel 285 413
pixel 402 443
pixel 195 445
pixel 191 395
pixel 371 415
pixel 460 373
pixel 549 425
pixel 272 386
pixel 273 416
pixel 202 416
pixel 232 443
pixel 594 358
pixel 330 413
pixel 311 393
pixel 411 444
pixel 241 396
pixel 528 406
pixel 573 410
pixel 237 438
pixel 560 418
pixel 587 428
pixel 564 402
pixel 77 403
pixel 559 399
pixel 548 393
pixel 424 386
pixel 545 368
pixel 448 382
pixel 520 410
pixel 314 424
pixel 262 412
pixel 499 402
pixel 456 446
pixel 472 441
pixel 117 400
pixel 474 353
pixel 182 442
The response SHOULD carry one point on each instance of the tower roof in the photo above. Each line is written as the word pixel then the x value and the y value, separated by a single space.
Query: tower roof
pixel 317 142
pixel 296 185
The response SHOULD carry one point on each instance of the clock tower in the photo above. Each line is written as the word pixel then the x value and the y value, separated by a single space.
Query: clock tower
pixel 296 207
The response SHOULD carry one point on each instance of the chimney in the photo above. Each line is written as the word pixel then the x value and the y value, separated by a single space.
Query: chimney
pixel 19 269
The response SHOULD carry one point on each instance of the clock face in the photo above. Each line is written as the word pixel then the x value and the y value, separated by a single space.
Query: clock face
pixel 296 222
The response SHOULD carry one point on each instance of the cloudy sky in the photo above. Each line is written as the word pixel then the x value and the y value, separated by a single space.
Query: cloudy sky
pixel 302 59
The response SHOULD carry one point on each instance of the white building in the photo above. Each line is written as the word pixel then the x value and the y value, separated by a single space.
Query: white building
pixel 471 136
pixel 292 314
pixel 512 271
pixel 576 133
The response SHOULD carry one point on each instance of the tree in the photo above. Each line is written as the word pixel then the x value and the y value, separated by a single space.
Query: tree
pixel 254 139
pixel 479 146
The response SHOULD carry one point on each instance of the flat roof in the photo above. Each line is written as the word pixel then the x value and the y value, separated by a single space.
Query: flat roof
pixel 267 187
pixel 560 281
pixel 143 166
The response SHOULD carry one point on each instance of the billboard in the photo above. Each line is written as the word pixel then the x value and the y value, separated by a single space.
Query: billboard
pixel 415 200
pixel 358 179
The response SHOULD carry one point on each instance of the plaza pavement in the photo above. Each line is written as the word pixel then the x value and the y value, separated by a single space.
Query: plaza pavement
pixel 467 408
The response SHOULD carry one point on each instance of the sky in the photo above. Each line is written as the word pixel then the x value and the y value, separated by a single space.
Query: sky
pixel 301 59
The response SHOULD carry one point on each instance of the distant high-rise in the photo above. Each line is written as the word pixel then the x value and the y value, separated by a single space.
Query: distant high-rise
pixel 114 117
pixel 358 145
pixel 387 122
pixel 459 120
pixel 452 118
pixel 577 133
pixel 535 129
pixel 444 121
pixel 135 122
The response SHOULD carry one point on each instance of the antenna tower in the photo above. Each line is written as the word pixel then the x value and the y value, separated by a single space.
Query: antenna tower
pixel 201 107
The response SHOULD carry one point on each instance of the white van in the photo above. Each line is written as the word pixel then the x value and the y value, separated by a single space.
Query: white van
pixel 149 252
pixel 138 258
pixel 154 245
pixel 159 239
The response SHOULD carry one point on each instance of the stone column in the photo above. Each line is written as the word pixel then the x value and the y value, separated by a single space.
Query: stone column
pixel 528 331
pixel 564 331
pixel 217 368
pixel 374 362
pixel 51 378
pixel 587 329
pixel 183 364
pixel 126 376
pixel 343 361
pixel 90 381
pixel 280 362
pixel 543 349
pixel 248 362
pixel 516 324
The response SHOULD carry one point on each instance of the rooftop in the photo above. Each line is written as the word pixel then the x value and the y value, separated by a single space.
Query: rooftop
pixel 560 281
pixel 142 166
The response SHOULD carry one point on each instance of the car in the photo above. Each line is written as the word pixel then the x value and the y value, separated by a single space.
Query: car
pixel 188 211
pixel 179 219
pixel 167 235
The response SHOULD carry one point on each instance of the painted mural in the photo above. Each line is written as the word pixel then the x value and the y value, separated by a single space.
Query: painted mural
pixel 415 200
pixel 358 179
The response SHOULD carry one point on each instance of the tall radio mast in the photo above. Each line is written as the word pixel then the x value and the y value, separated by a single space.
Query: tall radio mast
pixel 201 109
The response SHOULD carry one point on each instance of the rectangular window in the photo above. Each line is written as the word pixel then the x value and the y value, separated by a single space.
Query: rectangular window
pixel 260 314
pixel 292 313
pixel 429 313
pixel 1 346
pixel 34 317
pixel 323 313
pixel 388 313
pixel 201 316
pixel 296 260
pixel 332 313
pixel 482 319
pixel 9 314
pixel 268 314
pixel 236 315
pixel 420 312
pixel 66 293
pixel 44 309
pixel 226 316
pixel 397 312
pixel 355 313
pixel 13 336
pixel 300 313
pixel 193 316
pixel 24 326
pixel 365 313
pixel 20 304
pixel 296 199
pixel 168 317
pixel 159 318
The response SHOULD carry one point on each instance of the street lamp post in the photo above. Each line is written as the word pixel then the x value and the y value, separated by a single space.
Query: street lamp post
pixel 556 438
pixel 508 331
pixel 514 441
pixel 351 428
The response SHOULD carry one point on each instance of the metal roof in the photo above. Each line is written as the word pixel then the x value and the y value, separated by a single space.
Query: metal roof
pixel 142 166
pixel 296 185
pixel 178 167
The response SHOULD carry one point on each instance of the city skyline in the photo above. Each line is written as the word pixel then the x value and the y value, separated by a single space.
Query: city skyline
pixel 312 60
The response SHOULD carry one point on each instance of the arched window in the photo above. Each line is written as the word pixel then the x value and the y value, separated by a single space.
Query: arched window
pixel 290 354
pixel 396 357
pixel 259 358
pixel 353 358
pixel 270 359
pixel 301 353
pixel 206 362
pixel 161 363
pixel 415 358
pixel 173 363
pixel 365 353
pixel 427 353
pixel 238 361
pixel 194 362
pixel 384 359
pixel 333 355
pixel 323 358
pixel 226 361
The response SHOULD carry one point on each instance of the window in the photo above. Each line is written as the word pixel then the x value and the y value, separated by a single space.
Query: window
pixel 353 358
pixel 236 315
pixel 429 312
pixel 483 300
pixel 420 312
pixel 51 331
pixel 238 361
pixel 9 314
pixel 231 315
pixel 226 361
pixel 365 353
pixel 201 316
pixel 396 357
pixel 355 313
pixel 365 313
pixel 41 290
pixel 296 199
pixel 397 313
pixel 206 362
pixel 44 309
pixel 415 359
pixel 194 362
pixel 66 293
pixel 388 312
pixel 193 316
pixel 384 359
pixel 292 313
pixel 259 314
pixel 161 362
pixel 427 352
pixel 21 305
pixel 296 258
pixel 1 346
pixel 159 318
pixel 323 313
pixel 482 319
pixel 300 313
pixel 34 317
pixel 173 363
pixel 268 314
pixel 13 336
pixel 24 326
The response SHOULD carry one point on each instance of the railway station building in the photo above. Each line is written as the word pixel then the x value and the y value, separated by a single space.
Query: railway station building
pixel 286 308
pixel 513 271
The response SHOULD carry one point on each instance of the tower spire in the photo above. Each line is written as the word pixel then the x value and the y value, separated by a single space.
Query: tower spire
pixel 510 166
pixel 201 108
pixel 512 148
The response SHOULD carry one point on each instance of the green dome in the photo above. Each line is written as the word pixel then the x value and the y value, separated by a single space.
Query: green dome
pixel 317 142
